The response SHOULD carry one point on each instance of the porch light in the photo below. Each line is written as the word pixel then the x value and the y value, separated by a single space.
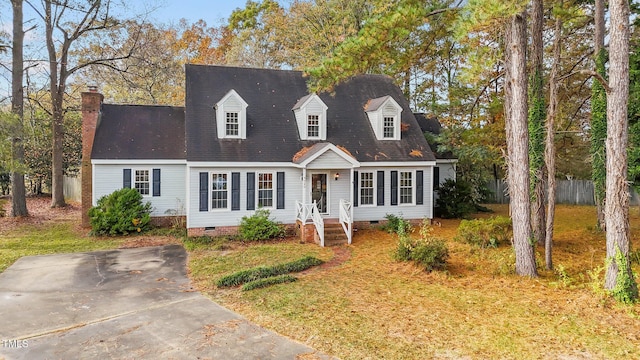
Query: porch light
pixel 336 176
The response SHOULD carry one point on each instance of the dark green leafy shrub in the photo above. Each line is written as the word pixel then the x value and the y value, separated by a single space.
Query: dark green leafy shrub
pixel 260 226
pixel 484 233
pixel 262 272
pixel 268 282
pixel 120 213
pixel 427 251
pixel 455 200
pixel 431 254
pixel 395 224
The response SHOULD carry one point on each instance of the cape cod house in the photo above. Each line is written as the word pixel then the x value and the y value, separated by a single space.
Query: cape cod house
pixel 255 138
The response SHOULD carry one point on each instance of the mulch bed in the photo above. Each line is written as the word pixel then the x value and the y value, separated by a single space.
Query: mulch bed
pixel 40 212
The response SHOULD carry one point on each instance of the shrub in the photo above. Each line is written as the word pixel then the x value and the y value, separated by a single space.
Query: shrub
pixel 262 272
pixel 396 224
pixel 428 252
pixel 121 212
pixel 268 282
pixel 260 226
pixel 485 232
pixel 455 199
pixel 431 254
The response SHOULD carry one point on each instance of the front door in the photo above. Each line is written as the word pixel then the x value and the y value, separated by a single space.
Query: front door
pixel 319 192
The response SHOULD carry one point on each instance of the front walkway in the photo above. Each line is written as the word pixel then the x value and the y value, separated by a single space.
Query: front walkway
pixel 124 304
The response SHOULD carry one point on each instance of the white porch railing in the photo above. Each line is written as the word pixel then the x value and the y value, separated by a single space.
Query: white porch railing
pixel 310 212
pixel 345 218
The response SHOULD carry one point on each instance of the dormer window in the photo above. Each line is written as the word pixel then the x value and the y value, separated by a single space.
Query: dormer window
pixel 313 126
pixel 384 116
pixel 311 116
pixel 232 124
pixel 231 115
pixel 388 127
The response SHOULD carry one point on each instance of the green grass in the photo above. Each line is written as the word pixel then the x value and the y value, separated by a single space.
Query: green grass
pixel 374 307
pixel 53 238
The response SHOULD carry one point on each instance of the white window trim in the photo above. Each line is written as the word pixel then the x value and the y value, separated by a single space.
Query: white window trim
pixel 238 136
pixel 133 180
pixel 394 127
pixel 413 188
pixel 315 137
pixel 222 109
pixel 210 194
pixel 274 187
pixel 375 189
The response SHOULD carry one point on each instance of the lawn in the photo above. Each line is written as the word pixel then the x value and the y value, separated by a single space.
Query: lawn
pixel 361 304
pixel 372 307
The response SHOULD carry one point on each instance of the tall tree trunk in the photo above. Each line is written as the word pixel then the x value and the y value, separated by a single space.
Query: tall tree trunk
pixel 550 146
pixel 518 145
pixel 18 191
pixel 599 117
pixel 57 85
pixel 617 189
pixel 536 123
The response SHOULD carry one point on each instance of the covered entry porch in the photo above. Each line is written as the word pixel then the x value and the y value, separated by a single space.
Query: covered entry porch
pixel 325 208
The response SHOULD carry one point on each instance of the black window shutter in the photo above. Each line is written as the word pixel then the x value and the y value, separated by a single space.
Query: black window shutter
pixel 419 187
pixel 204 191
pixel 251 191
pixel 280 200
pixel 126 178
pixel 356 195
pixel 380 184
pixel 156 182
pixel 235 191
pixel 436 178
pixel 394 188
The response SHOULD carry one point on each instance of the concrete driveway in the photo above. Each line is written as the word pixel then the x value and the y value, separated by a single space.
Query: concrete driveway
pixel 124 304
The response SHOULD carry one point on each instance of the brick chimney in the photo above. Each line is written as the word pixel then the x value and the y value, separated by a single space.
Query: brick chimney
pixel 91 102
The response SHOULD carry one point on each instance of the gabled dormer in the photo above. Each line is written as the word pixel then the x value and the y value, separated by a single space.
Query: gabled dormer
pixel 231 116
pixel 384 116
pixel 311 117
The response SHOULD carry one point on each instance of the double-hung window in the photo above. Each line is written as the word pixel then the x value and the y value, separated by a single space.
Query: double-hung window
pixel 313 126
pixel 265 190
pixel 219 191
pixel 406 187
pixel 232 124
pixel 388 127
pixel 366 188
pixel 141 181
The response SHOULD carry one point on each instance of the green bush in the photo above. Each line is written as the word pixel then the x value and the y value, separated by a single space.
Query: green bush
pixel 427 251
pixel 268 282
pixel 262 272
pixel 396 224
pixel 431 254
pixel 455 200
pixel 489 232
pixel 260 226
pixel 120 213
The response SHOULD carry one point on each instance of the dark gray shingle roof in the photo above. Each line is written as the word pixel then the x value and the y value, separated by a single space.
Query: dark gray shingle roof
pixel 140 132
pixel 272 134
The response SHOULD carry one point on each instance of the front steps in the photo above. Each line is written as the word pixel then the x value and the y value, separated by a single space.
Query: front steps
pixel 334 234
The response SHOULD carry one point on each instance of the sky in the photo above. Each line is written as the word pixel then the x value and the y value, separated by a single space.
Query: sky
pixel 213 12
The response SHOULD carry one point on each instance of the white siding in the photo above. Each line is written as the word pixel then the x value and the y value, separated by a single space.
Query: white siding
pixel 329 160
pixel 377 213
pixel 336 189
pixel 199 219
pixel 108 178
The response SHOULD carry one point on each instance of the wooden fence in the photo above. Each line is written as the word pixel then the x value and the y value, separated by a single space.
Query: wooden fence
pixel 574 192
pixel 72 188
